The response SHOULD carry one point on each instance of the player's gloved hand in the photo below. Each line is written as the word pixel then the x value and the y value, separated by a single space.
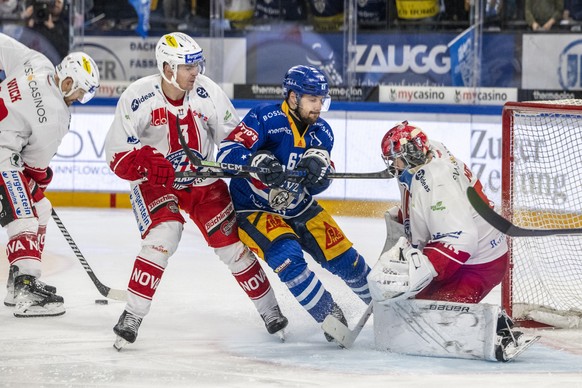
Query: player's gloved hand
pixel 38 180
pixel 315 162
pixel 275 177
pixel 153 165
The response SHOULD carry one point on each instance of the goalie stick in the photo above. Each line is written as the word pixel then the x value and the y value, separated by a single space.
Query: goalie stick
pixel 505 226
pixel 107 292
pixel 341 333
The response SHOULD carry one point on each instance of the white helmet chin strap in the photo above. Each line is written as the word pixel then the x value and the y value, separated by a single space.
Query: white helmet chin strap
pixel 173 80
pixel 65 94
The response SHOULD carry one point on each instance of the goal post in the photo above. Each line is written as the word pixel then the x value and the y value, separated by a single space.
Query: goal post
pixel 542 189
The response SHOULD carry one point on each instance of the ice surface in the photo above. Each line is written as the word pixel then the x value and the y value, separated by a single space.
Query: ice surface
pixel 203 332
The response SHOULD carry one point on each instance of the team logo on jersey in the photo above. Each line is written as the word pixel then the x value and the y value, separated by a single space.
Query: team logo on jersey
pixel 274 222
pixel 439 235
pixel 201 92
pixel 244 135
pixel 137 101
pixel 159 117
pixel 333 236
pixel 132 140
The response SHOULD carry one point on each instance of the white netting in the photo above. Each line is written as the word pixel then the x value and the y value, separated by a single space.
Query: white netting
pixel 545 190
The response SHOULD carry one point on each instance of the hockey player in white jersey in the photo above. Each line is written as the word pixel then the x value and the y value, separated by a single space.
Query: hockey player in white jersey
pixel 34 117
pixel 143 147
pixel 449 253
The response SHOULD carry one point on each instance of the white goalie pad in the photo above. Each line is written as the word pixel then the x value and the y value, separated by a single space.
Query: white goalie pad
pixel 400 273
pixel 436 329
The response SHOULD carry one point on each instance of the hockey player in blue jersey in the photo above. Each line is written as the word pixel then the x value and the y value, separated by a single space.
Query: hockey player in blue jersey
pixel 278 217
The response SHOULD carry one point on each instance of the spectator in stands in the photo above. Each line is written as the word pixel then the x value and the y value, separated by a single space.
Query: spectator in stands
pixel 418 13
pixel 176 14
pixel 50 19
pixel 541 15
pixel 9 10
pixel 572 10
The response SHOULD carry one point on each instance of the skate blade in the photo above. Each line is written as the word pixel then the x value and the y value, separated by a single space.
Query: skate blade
pixel 25 310
pixel 282 334
pixel 119 343
pixel 522 348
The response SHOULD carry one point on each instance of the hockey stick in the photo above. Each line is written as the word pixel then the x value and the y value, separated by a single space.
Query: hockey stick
pixel 341 333
pixel 198 162
pixel 505 226
pixel 384 174
pixel 107 292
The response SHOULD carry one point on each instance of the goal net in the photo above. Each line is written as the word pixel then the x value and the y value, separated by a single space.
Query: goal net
pixel 542 189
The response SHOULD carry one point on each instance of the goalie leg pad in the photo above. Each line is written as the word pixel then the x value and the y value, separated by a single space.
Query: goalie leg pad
pixel 437 329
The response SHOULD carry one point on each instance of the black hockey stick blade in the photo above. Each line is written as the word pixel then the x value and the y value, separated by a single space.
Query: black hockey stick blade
pixel 505 226
pixel 384 174
pixel 107 292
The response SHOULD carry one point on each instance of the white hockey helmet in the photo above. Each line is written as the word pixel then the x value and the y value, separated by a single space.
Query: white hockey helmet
pixel 177 48
pixel 82 69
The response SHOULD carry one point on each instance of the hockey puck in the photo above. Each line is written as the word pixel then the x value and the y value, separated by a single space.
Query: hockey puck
pixel 101 301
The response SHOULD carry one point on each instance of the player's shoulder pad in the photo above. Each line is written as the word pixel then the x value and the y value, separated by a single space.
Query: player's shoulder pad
pixel 437 171
pixel 139 92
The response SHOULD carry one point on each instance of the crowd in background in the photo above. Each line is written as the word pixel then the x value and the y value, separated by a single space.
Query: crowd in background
pixel 52 18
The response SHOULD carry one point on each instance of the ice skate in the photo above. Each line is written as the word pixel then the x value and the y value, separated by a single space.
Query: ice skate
pixel 339 314
pixel 511 343
pixel 276 322
pixel 32 300
pixel 126 329
pixel 9 300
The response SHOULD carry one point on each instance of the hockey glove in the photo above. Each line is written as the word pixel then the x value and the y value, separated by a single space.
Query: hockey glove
pixel 275 177
pixel 153 165
pixel 315 163
pixel 38 180
pixel 400 273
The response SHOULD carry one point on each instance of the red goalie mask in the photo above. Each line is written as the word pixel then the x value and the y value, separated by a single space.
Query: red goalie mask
pixel 405 142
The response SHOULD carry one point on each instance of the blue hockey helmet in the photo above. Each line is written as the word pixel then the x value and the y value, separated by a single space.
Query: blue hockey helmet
pixel 307 80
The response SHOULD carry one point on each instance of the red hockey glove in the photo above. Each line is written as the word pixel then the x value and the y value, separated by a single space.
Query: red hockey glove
pixel 153 165
pixel 42 176
pixel 38 180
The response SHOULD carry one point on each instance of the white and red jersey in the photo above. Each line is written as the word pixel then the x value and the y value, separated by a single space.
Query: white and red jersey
pixel 33 115
pixel 144 116
pixel 438 217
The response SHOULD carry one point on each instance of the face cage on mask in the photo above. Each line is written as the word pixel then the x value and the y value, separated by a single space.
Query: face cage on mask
pixel 411 157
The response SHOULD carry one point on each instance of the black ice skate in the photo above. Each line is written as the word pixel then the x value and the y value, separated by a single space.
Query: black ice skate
pixel 511 343
pixel 33 300
pixel 9 300
pixel 339 314
pixel 275 322
pixel 126 329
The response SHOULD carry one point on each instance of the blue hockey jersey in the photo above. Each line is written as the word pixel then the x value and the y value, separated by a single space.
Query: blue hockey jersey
pixel 270 127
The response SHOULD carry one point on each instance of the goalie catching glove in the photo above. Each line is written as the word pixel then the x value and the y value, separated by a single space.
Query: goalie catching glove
pixel 315 162
pixel 275 177
pixel 400 273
